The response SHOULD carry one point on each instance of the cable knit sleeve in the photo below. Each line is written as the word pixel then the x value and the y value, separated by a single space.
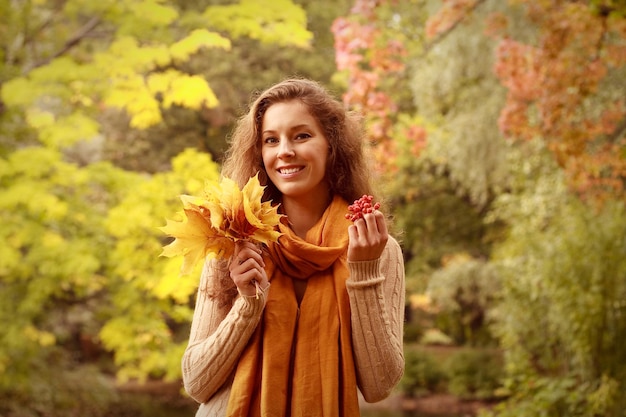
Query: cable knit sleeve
pixel 217 338
pixel 376 292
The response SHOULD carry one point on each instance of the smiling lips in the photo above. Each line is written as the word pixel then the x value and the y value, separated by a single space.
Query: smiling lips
pixel 289 170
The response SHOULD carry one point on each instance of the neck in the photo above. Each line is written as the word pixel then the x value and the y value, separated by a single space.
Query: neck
pixel 303 213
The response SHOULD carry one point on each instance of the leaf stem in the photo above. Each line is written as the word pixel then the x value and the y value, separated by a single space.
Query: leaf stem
pixel 258 288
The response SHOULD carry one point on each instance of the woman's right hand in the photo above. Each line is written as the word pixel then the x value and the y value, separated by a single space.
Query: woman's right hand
pixel 247 267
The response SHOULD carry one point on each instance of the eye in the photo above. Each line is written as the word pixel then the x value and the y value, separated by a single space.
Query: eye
pixel 303 135
pixel 270 140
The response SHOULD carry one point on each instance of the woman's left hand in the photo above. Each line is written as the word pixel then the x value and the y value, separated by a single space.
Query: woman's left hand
pixel 368 237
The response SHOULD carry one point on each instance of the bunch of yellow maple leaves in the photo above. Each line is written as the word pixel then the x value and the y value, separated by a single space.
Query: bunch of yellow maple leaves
pixel 224 215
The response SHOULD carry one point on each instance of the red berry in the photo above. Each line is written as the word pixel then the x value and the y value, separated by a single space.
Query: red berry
pixel 361 206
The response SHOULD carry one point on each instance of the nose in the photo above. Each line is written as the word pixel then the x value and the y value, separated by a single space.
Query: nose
pixel 285 149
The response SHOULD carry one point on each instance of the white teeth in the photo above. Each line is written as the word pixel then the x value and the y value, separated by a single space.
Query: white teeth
pixel 289 170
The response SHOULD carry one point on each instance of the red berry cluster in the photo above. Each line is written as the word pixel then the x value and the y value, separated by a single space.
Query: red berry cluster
pixel 360 207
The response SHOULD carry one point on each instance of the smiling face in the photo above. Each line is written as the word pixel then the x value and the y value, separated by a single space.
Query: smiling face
pixel 294 152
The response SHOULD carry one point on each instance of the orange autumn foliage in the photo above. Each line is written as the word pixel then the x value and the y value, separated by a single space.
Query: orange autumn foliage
pixel 555 86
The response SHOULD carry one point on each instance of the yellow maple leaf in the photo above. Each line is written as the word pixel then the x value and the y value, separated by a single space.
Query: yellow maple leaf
pixel 194 239
pixel 260 215
pixel 215 221
pixel 240 214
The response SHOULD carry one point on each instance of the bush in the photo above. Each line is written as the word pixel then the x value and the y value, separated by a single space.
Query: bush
pixel 436 337
pixel 413 332
pixel 474 374
pixel 422 373
pixel 57 391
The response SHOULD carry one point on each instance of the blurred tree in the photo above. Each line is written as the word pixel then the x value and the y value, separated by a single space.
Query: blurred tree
pixel 565 83
pixel 52 272
pixel 465 290
pixel 250 65
pixel 458 92
pixel 553 264
pixel 457 176
pixel 434 214
pixel 151 62
pixel 80 266
pixel 148 302
pixel 439 162
pixel 560 316
pixel 370 47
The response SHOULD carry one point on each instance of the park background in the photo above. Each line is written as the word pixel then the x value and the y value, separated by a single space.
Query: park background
pixel 497 133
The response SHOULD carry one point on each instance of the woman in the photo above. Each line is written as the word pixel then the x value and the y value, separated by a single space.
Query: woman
pixel 328 319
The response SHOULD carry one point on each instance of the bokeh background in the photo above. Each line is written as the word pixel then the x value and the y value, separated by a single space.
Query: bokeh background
pixel 497 130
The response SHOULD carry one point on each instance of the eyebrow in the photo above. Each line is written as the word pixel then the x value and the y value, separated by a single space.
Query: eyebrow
pixel 296 127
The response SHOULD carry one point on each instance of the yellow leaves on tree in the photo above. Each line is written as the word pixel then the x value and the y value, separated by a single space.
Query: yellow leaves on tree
pixel 176 88
pixel 134 64
pixel 277 21
pixel 157 14
pixel 138 94
pixel 214 222
pixel 197 39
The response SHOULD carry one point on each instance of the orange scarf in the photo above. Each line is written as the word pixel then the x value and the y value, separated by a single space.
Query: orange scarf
pixel 299 361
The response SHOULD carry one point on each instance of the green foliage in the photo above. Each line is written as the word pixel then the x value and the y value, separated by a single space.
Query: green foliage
pixel 459 93
pixel 59 390
pixel 137 67
pixel 561 317
pixel 423 374
pixel 466 373
pixel 434 214
pixel 435 337
pixel 474 374
pixel 464 290
pixel 566 396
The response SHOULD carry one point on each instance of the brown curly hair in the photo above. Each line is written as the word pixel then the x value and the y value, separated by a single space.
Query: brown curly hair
pixel 346 170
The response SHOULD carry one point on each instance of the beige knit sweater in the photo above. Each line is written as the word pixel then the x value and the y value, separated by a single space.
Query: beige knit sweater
pixel 219 335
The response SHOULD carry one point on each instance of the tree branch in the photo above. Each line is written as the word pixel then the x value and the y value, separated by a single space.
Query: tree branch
pixel 619 131
pixel 445 34
pixel 69 44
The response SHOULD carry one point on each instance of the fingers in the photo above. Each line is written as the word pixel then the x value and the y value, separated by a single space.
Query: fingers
pixel 248 281
pixel 368 237
pixel 247 268
pixel 247 250
pixel 372 226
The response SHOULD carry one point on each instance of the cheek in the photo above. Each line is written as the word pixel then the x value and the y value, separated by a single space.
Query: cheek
pixel 326 159
pixel 265 158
